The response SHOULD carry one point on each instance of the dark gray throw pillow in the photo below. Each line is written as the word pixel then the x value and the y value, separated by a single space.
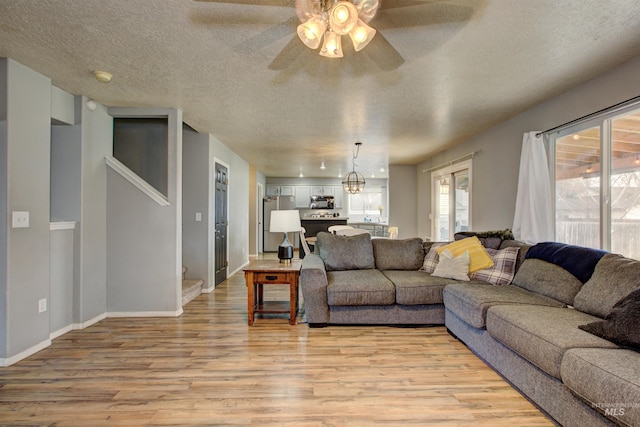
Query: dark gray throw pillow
pixel 622 325
pixel 346 252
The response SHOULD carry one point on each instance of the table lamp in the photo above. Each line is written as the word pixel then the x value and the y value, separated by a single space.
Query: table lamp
pixel 283 222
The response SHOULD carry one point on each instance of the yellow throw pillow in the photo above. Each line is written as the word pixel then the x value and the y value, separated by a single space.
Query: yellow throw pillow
pixel 480 258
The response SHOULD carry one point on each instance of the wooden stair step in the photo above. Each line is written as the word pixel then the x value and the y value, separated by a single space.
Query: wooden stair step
pixel 191 288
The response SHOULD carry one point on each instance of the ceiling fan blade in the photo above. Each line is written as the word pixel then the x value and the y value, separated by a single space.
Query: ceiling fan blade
pixel 383 53
pixel 281 3
pixel 430 13
pixel 288 54
pixel 394 4
pixel 265 38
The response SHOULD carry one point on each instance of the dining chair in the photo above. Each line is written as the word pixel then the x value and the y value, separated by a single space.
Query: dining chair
pixel 393 232
pixel 334 228
pixel 351 231
pixel 306 240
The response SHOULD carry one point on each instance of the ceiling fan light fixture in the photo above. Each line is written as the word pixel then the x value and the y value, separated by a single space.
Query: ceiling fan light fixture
pixel 343 16
pixel 310 32
pixel 361 35
pixel 332 47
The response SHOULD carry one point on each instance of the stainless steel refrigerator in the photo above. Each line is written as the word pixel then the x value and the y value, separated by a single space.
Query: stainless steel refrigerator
pixel 271 241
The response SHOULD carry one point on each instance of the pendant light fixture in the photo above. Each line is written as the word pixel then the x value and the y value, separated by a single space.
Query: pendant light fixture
pixel 354 181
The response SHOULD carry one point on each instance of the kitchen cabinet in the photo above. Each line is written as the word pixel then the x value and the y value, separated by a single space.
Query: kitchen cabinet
pixel 286 190
pixel 337 197
pixel 326 190
pixel 303 196
pixel 280 190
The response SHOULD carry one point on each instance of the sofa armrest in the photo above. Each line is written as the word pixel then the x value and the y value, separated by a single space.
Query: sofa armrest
pixel 313 282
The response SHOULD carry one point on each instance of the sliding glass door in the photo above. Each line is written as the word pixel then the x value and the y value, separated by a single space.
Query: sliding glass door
pixel 597 183
pixel 451 201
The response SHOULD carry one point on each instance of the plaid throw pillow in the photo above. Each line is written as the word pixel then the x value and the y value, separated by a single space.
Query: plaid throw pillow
pixel 503 269
pixel 431 258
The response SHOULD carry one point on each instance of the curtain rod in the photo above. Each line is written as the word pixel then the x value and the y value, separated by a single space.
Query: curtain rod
pixel 591 115
pixel 449 163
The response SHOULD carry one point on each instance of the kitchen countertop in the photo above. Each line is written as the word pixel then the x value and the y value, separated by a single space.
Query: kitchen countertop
pixel 329 218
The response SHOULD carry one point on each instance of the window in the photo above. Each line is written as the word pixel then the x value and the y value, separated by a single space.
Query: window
pixel 597 182
pixel 451 201
pixel 367 204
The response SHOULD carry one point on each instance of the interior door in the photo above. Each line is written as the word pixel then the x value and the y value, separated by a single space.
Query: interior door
pixel 221 224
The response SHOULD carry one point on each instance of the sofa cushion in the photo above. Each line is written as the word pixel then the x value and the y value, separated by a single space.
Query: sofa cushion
pixel 470 302
pixel 524 248
pixel 392 254
pixel 542 334
pixel 577 260
pixel 417 288
pixel 431 258
pixel 613 278
pixel 346 252
pixel 504 267
pixel 453 267
pixel 608 380
pixel 622 325
pixel 547 279
pixel 479 257
pixel 359 287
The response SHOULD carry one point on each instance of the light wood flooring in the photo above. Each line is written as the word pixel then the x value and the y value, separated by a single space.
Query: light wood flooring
pixel 208 367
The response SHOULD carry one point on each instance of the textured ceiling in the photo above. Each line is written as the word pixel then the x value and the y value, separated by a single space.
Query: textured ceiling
pixel 437 73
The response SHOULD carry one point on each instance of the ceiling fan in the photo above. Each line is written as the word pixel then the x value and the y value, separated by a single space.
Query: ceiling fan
pixel 375 15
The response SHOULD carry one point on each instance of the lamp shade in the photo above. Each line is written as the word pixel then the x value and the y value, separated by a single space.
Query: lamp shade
pixel 343 16
pixel 332 47
pixel 361 35
pixel 285 221
pixel 311 32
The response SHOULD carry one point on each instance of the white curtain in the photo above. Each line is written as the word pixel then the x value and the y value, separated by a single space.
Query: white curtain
pixel 533 220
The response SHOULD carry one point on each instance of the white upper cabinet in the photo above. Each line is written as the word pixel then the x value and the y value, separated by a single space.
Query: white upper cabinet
pixel 280 190
pixel 303 196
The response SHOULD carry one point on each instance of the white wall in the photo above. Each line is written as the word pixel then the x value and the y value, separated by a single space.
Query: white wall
pixel 144 239
pixel 90 292
pixel 495 168
pixel 402 200
pixel 195 199
pixel 25 137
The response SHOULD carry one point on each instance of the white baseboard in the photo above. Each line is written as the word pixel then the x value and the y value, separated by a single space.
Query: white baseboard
pixel 4 362
pixel 90 322
pixel 145 313
pixel 212 288
pixel 239 268
pixel 55 334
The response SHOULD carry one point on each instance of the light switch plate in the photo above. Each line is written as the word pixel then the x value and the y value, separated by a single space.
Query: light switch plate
pixel 198 216
pixel 20 219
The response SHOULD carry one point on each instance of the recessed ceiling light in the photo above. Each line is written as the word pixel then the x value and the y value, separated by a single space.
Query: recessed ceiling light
pixel 322 166
pixel 102 76
pixel 382 170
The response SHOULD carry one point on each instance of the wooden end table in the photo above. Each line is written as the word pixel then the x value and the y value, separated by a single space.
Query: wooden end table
pixel 272 272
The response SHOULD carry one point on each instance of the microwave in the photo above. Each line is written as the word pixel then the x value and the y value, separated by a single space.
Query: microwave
pixel 321 202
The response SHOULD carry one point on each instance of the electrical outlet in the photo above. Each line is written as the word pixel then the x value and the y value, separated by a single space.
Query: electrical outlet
pixel 20 219
pixel 42 305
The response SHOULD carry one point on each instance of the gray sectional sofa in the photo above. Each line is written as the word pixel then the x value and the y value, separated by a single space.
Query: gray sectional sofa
pixel 565 332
